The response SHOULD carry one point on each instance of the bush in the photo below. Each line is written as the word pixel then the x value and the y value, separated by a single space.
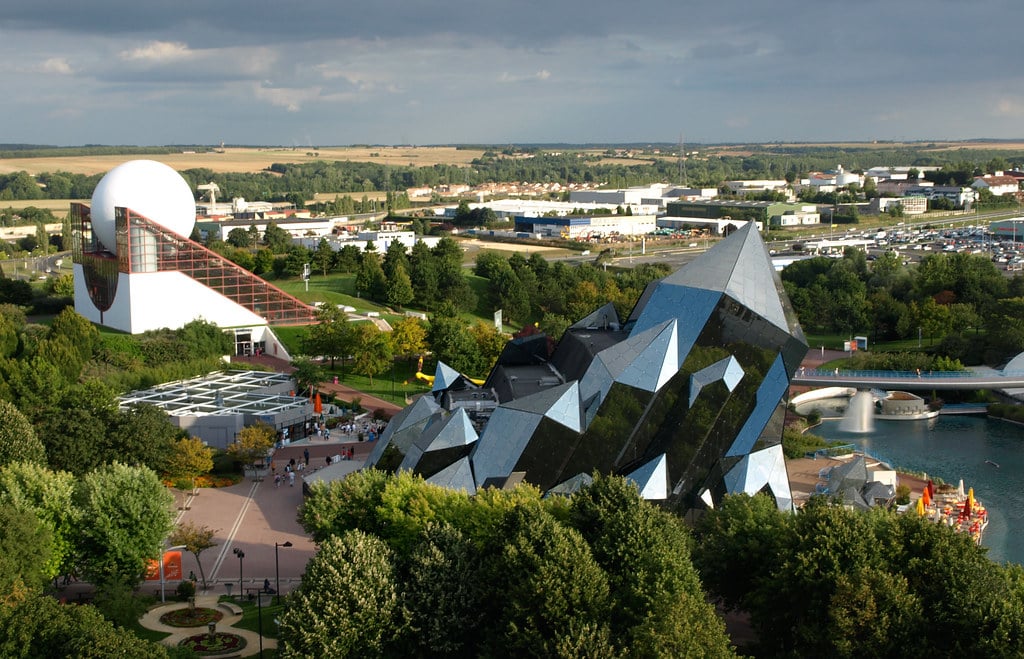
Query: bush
pixel 118 603
pixel 185 590
pixel 224 463
pixel 902 494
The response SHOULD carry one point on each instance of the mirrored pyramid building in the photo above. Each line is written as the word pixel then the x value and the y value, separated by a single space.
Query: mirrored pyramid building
pixel 685 396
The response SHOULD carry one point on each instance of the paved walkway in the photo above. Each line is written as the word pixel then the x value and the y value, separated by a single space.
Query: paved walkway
pixel 151 620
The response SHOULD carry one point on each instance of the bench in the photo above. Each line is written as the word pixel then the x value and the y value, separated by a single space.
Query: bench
pixel 250 593
pixel 231 608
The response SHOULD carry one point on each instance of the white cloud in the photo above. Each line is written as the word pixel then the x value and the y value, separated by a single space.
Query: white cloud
pixel 1007 107
pixel 56 65
pixel 542 74
pixel 289 98
pixel 158 51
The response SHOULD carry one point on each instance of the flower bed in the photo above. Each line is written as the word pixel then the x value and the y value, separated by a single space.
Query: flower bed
pixel 191 617
pixel 213 644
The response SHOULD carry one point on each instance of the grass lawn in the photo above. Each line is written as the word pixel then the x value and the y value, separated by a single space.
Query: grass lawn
pixel 148 634
pixel 251 615
pixel 405 382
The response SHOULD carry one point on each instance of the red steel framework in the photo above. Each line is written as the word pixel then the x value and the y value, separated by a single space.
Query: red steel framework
pixel 145 246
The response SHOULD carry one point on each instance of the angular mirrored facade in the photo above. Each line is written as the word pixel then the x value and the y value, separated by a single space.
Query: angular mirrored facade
pixel 685 396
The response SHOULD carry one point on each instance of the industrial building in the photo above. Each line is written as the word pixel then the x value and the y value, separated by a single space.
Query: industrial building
pixel 587 227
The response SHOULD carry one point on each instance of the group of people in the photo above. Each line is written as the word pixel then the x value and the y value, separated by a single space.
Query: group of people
pixel 289 470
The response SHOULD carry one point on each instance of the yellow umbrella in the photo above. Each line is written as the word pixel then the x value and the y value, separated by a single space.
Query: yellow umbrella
pixel 970 499
pixel 920 507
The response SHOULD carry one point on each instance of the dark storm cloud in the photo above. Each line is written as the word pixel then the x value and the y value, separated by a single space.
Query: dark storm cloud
pixel 454 70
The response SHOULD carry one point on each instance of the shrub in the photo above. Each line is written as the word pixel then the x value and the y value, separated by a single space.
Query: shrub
pixel 185 590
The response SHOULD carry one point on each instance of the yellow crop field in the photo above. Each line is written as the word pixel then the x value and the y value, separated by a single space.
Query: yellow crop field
pixel 250 159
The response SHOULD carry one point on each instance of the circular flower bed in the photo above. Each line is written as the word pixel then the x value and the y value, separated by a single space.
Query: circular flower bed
pixel 210 644
pixel 191 617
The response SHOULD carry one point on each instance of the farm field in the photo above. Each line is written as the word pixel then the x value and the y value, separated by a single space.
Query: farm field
pixel 249 159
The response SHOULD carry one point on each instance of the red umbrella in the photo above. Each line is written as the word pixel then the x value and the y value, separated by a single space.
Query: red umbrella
pixel 318 406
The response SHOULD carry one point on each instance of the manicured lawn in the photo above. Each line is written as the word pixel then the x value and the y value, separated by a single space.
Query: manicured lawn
pixel 251 615
pixel 148 634
pixel 405 382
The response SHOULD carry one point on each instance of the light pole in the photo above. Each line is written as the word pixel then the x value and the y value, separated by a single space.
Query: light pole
pixel 277 568
pixel 174 548
pixel 240 554
pixel 259 607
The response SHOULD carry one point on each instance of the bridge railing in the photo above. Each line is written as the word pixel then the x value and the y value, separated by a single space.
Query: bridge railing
pixel 900 375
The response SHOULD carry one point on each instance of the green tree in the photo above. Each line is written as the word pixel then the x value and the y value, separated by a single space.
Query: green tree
pixel 452 343
pixel 190 459
pixel 323 257
pixel 43 627
pixel 660 608
pixel 263 261
pixel 445 594
pixel 77 440
pixel 144 435
pixel 347 604
pixel 399 288
pixel 49 496
pixel 489 342
pixel 18 440
pixel 423 275
pixel 307 374
pixel 239 237
pixel 330 337
pixel 339 506
pixel 276 239
pixel 347 259
pixel 253 443
pixel 408 337
pixel 370 279
pixel 126 514
pixel 556 596
pixel 25 551
pixel 196 539
pixel 371 350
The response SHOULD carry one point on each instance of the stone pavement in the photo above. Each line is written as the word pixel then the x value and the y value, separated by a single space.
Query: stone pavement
pixel 151 620
pixel 252 516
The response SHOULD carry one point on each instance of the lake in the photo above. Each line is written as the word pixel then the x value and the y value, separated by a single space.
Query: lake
pixel 954 447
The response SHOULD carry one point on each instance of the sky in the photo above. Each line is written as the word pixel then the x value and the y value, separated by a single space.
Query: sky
pixel 331 72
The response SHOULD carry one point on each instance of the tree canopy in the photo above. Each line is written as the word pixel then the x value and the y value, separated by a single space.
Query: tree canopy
pixel 558 564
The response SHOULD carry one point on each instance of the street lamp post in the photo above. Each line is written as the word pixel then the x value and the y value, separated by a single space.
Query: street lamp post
pixel 259 607
pixel 174 548
pixel 277 568
pixel 240 554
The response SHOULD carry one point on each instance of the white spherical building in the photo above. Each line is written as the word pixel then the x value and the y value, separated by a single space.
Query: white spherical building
pixel 137 270
pixel 151 189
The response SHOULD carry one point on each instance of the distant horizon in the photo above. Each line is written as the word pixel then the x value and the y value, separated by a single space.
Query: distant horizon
pixel 491 145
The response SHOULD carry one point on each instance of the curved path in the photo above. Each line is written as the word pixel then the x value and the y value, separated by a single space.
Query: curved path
pixel 151 620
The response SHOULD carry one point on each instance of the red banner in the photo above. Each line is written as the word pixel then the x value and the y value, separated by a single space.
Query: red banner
pixel 172 567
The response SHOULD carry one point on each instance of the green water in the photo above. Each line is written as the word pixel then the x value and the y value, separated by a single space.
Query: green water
pixel 955 447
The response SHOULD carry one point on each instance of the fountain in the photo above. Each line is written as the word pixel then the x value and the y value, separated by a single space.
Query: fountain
pixel 860 413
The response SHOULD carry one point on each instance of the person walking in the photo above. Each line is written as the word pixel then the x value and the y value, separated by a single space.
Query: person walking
pixel 305 454
pixel 291 478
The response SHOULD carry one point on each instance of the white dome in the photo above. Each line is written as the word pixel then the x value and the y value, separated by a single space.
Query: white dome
pixel 149 188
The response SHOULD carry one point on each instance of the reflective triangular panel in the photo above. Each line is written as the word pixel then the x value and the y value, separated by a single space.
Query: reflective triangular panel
pixel 456 476
pixel 656 363
pixel 652 478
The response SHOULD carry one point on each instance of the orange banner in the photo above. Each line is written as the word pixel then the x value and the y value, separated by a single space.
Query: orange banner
pixel 172 567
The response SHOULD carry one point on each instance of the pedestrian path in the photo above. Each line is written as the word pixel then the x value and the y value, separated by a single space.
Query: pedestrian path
pixel 151 620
